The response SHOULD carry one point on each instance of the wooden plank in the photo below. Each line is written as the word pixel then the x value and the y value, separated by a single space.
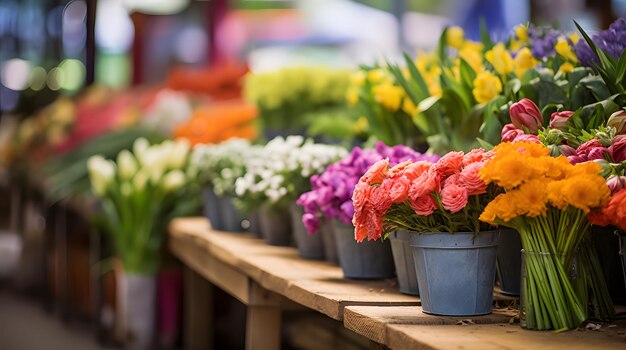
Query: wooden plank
pixel 262 328
pixel 502 336
pixel 315 284
pixel 372 321
pixel 198 311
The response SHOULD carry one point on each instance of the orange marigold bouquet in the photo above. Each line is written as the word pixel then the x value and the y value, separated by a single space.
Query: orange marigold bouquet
pixel 547 200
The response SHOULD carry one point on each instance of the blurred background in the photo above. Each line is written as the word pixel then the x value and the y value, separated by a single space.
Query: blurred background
pixel 71 70
pixel 50 48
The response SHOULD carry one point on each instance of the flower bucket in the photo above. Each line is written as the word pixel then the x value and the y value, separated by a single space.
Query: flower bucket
pixel 137 304
pixel 509 263
pixel 275 225
pixel 456 271
pixel 310 246
pixel 366 260
pixel 211 208
pixel 607 245
pixel 328 239
pixel 403 259
pixel 230 216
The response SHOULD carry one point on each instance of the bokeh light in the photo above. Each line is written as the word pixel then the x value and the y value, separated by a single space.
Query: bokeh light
pixel 38 78
pixel 114 28
pixel 72 74
pixel 15 74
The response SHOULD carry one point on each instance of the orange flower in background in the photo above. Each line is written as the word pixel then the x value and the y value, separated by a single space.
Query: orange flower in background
pixel 220 122
pixel 612 214
pixel 221 82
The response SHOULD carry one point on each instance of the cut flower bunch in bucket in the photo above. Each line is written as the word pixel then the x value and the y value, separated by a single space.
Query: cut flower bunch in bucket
pixel 546 200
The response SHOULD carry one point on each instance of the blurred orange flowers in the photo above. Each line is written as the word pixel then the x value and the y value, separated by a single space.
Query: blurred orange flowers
pixel 219 122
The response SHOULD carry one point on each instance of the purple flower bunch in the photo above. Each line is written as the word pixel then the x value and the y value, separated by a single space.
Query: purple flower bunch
pixel 543 40
pixel 612 41
pixel 331 194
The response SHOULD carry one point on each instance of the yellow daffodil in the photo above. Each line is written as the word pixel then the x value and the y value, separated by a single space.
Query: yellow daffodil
pixel 574 37
pixel 455 37
pixel 352 96
pixel 472 57
pixel 486 87
pixel 564 49
pixel 389 95
pixel 566 68
pixel 500 59
pixel 375 76
pixel 521 32
pixel 523 61
pixel 408 106
pixel 358 78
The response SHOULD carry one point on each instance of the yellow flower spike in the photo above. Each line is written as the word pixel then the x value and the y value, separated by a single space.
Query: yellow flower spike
pixel 524 61
pixel 564 49
pixel 566 68
pixel 408 106
pixel 472 57
pixel 358 78
pixel 486 87
pixel 521 32
pixel 500 59
pixel 376 76
pixel 389 95
pixel 352 96
pixel 455 37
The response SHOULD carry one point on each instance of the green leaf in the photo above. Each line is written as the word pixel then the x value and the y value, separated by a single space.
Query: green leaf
pixel 484 144
pixel 417 76
pixel 484 34
pixel 441 47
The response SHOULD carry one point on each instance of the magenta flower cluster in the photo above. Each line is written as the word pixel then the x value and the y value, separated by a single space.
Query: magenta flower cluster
pixel 331 194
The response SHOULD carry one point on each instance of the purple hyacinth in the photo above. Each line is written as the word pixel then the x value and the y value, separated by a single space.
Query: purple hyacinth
pixel 331 194
pixel 543 40
pixel 612 41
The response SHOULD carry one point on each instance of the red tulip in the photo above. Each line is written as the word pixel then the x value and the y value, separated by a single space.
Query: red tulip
pixel 618 149
pixel 558 120
pixel 526 115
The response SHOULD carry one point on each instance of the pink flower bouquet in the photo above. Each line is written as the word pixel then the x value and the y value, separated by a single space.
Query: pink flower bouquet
pixel 445 196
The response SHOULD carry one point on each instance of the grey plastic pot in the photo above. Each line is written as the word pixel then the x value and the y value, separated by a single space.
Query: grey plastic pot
pixel 309 245
pixel 366 260
pixel 456 271
pixel 509 262
pixel 211 208
pixel 328 239
pixel 403 259
pixel 231 218
pixel 275 225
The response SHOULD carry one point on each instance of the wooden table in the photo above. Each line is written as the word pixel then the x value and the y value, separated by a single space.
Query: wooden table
pixel 262 276
pixel 268 279
pixel 409 328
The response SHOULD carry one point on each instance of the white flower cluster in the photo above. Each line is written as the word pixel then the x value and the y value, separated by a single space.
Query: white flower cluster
pixel 169 109
pixel 221 164
pixel 160 166
pixel 283 167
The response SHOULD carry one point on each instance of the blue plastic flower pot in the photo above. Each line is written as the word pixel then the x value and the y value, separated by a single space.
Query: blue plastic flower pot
pixel 366 260
pixel 309 245
pixel 211 208
pixel 328 239
pixel 456 271
pixel 403 260
pixel 275 225
pixel 509 263
pixel 230 216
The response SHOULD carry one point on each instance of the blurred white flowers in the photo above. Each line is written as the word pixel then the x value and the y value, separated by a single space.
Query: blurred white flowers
pixel 101 173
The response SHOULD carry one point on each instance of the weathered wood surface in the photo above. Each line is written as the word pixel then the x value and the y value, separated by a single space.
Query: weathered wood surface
pixel 317 285
pixel 409 328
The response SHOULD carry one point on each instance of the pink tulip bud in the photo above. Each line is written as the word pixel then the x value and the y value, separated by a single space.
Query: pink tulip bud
pixel 618 149
pixel 558 120
pixel 510 132
pixel 576 159
pixel 567 150
pixel 618 121
pixel 616 183
pixel 526 114
pixel 527 138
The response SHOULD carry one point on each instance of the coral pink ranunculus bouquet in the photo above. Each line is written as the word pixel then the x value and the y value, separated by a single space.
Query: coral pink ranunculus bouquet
pixel 445 196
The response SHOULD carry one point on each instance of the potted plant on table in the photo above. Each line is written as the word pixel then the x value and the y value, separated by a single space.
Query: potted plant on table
pixel 546 200
pixel 275 176
pixel 331 201
pixel 140 193
pixel 439 203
